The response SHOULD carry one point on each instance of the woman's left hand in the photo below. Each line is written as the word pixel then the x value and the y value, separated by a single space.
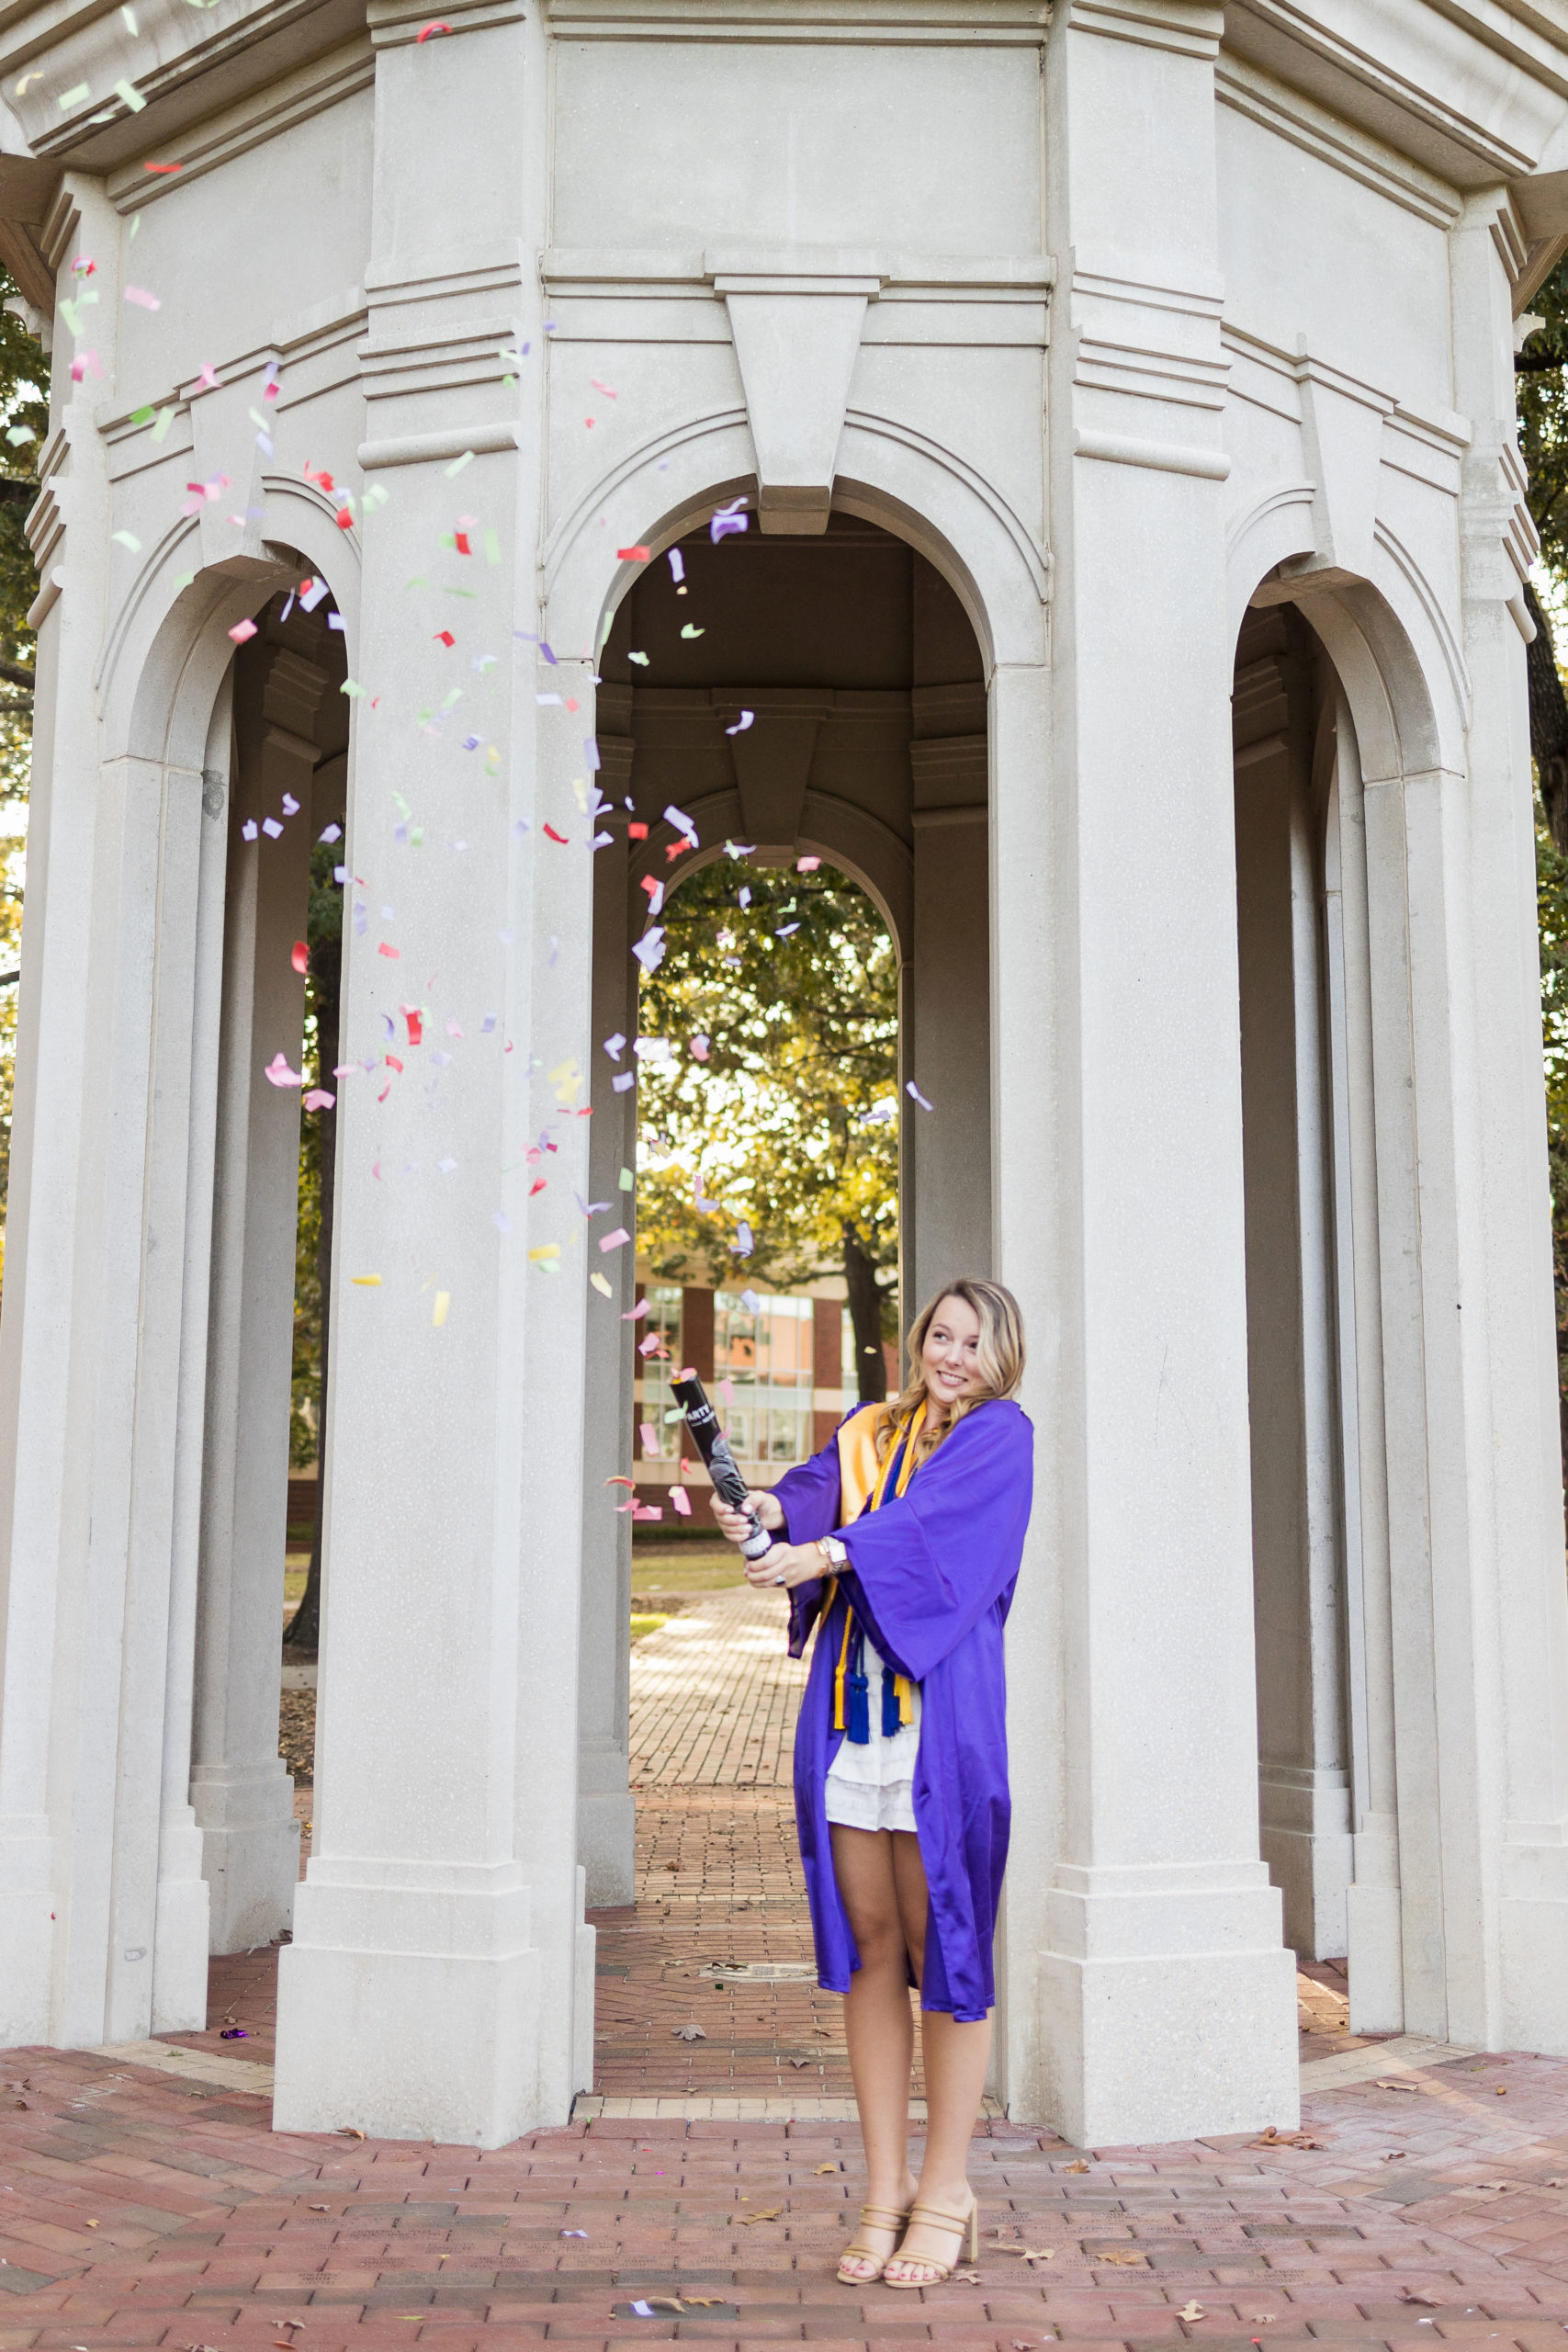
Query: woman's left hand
pixel 786 1563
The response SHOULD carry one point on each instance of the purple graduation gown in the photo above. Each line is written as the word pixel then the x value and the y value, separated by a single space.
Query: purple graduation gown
pixel 931 1577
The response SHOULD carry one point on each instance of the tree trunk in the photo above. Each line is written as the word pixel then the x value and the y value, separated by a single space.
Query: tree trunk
pixel 866 1315
pixel 304 1632
pixel 1548 722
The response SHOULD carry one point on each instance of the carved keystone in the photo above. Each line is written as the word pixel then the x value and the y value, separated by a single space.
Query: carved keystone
pixel 796 329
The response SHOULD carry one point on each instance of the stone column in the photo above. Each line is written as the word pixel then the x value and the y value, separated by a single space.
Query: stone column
pixel 243 1797
pixel 1373 1933
pixel 440 1979
pixel 1167 1996
pixel 1304 1786
pixel 183 1921
pixel 1521 1665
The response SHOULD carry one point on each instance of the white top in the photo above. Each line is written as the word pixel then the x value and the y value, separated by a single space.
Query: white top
pixel 872 1787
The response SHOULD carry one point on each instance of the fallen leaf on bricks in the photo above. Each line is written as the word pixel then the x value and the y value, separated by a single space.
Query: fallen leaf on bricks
pixel 1275 2139
pixel 348 2131
pixel 966 2277
pixel 1079 2166
pixel 92 2225
pixel 1119 2254
pixel 1394 2157
pixel 1427 2303
pixel 1502 2091
pixel 690 2033
pixel 321 2209
pixel 834 2168
pixel 1193 2312
pixel 773 2215
pixel 1395 2083
pixel 1029 2252
pixel 800 2062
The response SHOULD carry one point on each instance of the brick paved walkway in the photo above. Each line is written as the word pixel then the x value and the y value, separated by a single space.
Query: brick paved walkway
pixel 144 2200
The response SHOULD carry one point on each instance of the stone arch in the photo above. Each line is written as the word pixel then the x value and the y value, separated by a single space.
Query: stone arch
pixel 169 647
pixel 902 481
pixel 853 840
pixel 1388 637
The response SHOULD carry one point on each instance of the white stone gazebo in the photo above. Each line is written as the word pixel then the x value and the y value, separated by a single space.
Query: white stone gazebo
pixel 1121 398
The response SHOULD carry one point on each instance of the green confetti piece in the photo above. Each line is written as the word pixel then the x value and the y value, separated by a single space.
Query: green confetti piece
pixel 492 548
pixel 452 698
pixel 185 578
pixel 628 1182
pixel 348 687
pixel 132 95
pixel 138 415
pixel 165 418
pixel 128 539
pixel 459 463
pixel 74 97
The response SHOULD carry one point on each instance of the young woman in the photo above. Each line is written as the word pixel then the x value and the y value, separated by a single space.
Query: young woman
pixel 901 1543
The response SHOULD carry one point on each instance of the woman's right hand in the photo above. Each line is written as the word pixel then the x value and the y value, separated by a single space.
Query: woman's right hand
pixel 736 1525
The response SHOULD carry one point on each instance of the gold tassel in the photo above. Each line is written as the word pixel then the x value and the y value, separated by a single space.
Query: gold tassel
pixel 905 1697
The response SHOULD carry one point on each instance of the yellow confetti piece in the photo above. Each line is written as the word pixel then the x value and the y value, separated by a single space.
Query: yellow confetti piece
pixel 443 1301
pixel 367 1282
pixel 541 1256
pixel 601 1285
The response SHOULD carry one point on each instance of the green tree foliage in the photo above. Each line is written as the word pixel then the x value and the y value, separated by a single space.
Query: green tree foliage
pixel 313 1234
pixel 1542 385
pixel 24 420
pixel 796 995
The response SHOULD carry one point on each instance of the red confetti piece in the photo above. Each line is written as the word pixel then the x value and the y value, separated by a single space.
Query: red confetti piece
pixel 162 167
pixel 300 957
pixel 415 1020
pixel 445 636
pixel 242 631
pixel 636 832
pixel 344 519
pixel 562 838
pixel 393 952
pixel 428 31
pixel 631 555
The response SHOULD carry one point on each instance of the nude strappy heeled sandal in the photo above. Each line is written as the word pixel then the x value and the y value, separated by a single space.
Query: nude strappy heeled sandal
pixel 960 2222
pixel 887 2217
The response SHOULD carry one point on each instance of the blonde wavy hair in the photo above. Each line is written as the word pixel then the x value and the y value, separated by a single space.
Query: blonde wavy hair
pixel 1001 1356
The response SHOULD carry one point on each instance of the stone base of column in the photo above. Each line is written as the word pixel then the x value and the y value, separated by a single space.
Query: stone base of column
pixel 182 1934
pixel 606 1845
pixel 1374 1933
pixel 27 1930
pixel 408 2005
pixel 1304 1838
pixel 585 1991
pixel 1168 2010
pixel 1533 1922
pixel 249 1851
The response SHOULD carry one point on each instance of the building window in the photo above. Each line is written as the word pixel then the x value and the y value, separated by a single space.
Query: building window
pixel 659 1411
pixel 766 1357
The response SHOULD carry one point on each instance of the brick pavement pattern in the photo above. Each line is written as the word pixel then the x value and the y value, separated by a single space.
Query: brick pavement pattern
pixel 138 2210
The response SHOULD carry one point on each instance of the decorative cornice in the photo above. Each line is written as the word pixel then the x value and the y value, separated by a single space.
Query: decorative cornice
pixel 1247 90
pixel 987 24
pixel 396 24
pixel 568 270
pixel 1191 30
pixel 84 47
pixel 273 107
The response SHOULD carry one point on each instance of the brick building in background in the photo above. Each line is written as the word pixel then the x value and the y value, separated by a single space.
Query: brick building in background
pixel 781 1376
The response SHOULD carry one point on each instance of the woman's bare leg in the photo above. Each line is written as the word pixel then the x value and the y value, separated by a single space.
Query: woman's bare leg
pixel 955 2060
pixel 877 2025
